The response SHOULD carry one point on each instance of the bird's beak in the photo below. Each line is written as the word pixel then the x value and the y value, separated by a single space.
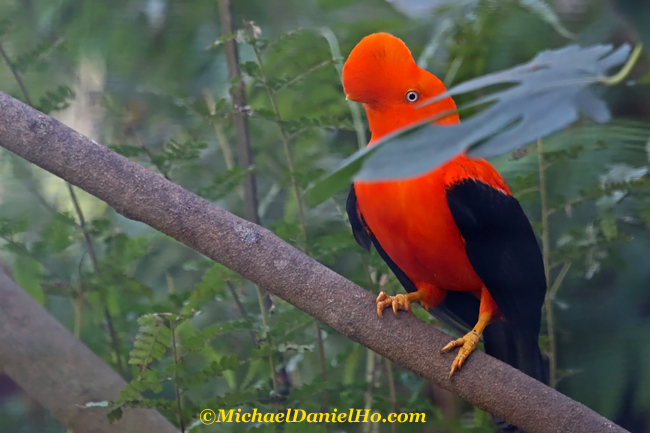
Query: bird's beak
pixel 355 98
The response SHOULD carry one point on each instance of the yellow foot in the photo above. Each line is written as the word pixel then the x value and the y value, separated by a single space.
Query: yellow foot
pixel 467 345
pixel 399 302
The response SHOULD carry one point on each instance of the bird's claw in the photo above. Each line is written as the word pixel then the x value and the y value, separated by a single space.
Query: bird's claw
pixel 399 302
pixel 467 345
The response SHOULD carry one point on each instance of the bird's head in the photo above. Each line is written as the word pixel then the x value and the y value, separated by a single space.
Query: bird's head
pixel 381 74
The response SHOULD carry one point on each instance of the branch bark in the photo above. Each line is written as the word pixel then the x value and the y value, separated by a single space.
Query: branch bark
pixel 59 371
pixel 261 257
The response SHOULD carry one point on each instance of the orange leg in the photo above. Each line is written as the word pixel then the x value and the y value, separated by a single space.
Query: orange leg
pixel 469 342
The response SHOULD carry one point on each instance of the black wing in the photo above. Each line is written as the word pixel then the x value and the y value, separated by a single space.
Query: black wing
pixel 459 309
pixel 503 250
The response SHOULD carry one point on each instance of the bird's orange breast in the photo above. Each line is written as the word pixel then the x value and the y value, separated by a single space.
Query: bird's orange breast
pixel 413 223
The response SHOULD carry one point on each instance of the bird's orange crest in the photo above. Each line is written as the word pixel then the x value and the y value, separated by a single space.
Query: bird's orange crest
pixel 377 67
pixel 381 74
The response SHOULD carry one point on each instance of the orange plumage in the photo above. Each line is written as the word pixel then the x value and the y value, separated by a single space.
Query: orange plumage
pixel 424 240
pixel 454 229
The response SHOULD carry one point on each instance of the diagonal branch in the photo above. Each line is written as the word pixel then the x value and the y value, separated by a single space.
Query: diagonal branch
pixel 261 257
pixel 59 372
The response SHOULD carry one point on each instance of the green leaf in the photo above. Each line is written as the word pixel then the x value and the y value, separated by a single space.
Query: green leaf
pixel 328 248
pixel 482 418
pixel 176 153
pixel 608 227
pixel 25 61
pixel 238 398
pixel 122 251
pixel 27 274
pixel 114 415
pixel 192 339
pixel 148 380
pixel 222 328
pixel 229 362
pixel 183 151
pixel 151 342
pixel 225 183
pixel 130 392
pixel 219 105
pixel 337 180
pixel 13 226
pixel 250 68
pixel 289 324
pixel 212 370
pixel 416 9
pixel 100 226
pixel 352 362
pixel 56 236
pixel 222 40
pixel 263 351
pixel 300 394
pixel 127 150
pixel 55 100
pixel 547 14
pixel 210 286
pixel 151 380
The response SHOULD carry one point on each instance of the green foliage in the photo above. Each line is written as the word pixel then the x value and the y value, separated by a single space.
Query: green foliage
pixel 27 60
pixel 188 334
pixel 211 285
pixel 27 273
pixel 151 342
pixel 56 235
pixel 13 226
pixel 544 11
pixel 127 150
pixel 224 184
pixel 176 152
pixel 55 100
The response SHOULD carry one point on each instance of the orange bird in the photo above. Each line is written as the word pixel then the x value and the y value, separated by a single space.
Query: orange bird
pixel 456 238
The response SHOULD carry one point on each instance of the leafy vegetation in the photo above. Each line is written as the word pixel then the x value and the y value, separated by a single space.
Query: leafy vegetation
pixel 149 80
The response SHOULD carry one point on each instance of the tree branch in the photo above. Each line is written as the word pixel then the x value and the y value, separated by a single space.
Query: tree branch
pixel 263 258
pixel 59 372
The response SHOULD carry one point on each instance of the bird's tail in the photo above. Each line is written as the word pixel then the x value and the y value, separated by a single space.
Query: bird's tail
pixel 503 342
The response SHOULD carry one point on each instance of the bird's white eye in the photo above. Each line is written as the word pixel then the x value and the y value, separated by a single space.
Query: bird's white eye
pixel 412 96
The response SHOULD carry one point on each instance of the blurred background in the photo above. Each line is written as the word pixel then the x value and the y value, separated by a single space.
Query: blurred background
pixel 149 79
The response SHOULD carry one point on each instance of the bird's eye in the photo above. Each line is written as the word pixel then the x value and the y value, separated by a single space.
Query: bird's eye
pixel 412 96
